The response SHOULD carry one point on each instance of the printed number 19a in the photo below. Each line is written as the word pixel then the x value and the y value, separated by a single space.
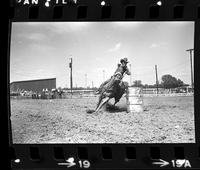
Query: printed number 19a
pixel 181 163
pixel 84 164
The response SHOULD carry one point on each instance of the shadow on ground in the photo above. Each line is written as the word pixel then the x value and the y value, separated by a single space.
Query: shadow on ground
pixel 111 108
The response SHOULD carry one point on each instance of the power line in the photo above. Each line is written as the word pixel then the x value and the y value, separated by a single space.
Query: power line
pixel 160 70
pixel 174 67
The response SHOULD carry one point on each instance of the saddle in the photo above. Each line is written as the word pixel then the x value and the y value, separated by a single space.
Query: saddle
pixel 111 86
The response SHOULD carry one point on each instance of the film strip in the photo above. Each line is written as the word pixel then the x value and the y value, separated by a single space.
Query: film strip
pixel 84 10
pixel 113 155
pixel 106 156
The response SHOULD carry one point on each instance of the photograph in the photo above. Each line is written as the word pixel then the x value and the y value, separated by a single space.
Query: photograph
pixel 102 82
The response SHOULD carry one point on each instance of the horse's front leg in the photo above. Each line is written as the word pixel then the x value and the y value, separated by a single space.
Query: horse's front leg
pixel 99 101
pixel 115 102
pixel 102 102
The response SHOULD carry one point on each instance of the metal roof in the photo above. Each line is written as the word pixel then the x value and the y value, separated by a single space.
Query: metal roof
pixel 32 80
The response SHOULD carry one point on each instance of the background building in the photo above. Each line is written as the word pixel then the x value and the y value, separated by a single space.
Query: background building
pixel 33 85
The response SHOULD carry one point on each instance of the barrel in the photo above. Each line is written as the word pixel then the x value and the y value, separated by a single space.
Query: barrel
pixel 134 99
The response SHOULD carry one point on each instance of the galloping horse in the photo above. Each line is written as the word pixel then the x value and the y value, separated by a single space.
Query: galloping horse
pixel 115 88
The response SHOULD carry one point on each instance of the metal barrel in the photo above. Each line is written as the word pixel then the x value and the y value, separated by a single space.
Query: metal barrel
pixel 134 99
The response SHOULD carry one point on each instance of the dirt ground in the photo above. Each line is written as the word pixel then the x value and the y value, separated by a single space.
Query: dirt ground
pixel 164 120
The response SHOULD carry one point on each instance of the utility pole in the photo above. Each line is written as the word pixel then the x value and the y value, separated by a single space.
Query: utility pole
pixel 92 84
pixel 85 80
pixel 156 78
pixel 103 75
pixel 192 81
pixel 71 82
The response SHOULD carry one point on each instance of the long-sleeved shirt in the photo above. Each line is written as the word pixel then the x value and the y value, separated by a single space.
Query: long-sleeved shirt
pixel 123 70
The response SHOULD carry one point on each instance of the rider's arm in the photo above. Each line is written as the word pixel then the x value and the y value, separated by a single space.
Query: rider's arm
pixel 127 71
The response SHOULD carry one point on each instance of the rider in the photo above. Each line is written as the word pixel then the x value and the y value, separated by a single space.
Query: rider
pixel 119 73
pixel 122 68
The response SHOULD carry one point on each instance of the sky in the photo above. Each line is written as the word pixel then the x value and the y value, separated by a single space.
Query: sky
pixel 42 50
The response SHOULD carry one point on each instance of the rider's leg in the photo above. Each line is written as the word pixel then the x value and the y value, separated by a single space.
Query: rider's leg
pixel 102 85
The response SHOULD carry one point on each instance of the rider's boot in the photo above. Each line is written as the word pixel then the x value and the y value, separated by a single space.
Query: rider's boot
pixel 97 91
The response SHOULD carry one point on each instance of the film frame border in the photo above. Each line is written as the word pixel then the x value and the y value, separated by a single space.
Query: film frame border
pixel 176 10
pixel 37 155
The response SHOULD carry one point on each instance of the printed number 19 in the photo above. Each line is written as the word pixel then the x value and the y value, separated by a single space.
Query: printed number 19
pixel 84 164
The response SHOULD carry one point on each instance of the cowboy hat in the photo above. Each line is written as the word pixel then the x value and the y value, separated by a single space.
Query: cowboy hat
pixel 124 60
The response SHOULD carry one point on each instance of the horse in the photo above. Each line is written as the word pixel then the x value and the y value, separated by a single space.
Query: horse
pixel 115 88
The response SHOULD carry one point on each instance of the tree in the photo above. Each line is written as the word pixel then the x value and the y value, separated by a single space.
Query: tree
pixel 180 83
pixel 137 83
pixel 168 81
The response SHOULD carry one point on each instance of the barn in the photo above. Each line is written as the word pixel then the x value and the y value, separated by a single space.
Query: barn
pixel 33 85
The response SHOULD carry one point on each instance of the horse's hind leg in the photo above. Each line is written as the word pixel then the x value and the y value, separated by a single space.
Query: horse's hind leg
pixel 103 101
